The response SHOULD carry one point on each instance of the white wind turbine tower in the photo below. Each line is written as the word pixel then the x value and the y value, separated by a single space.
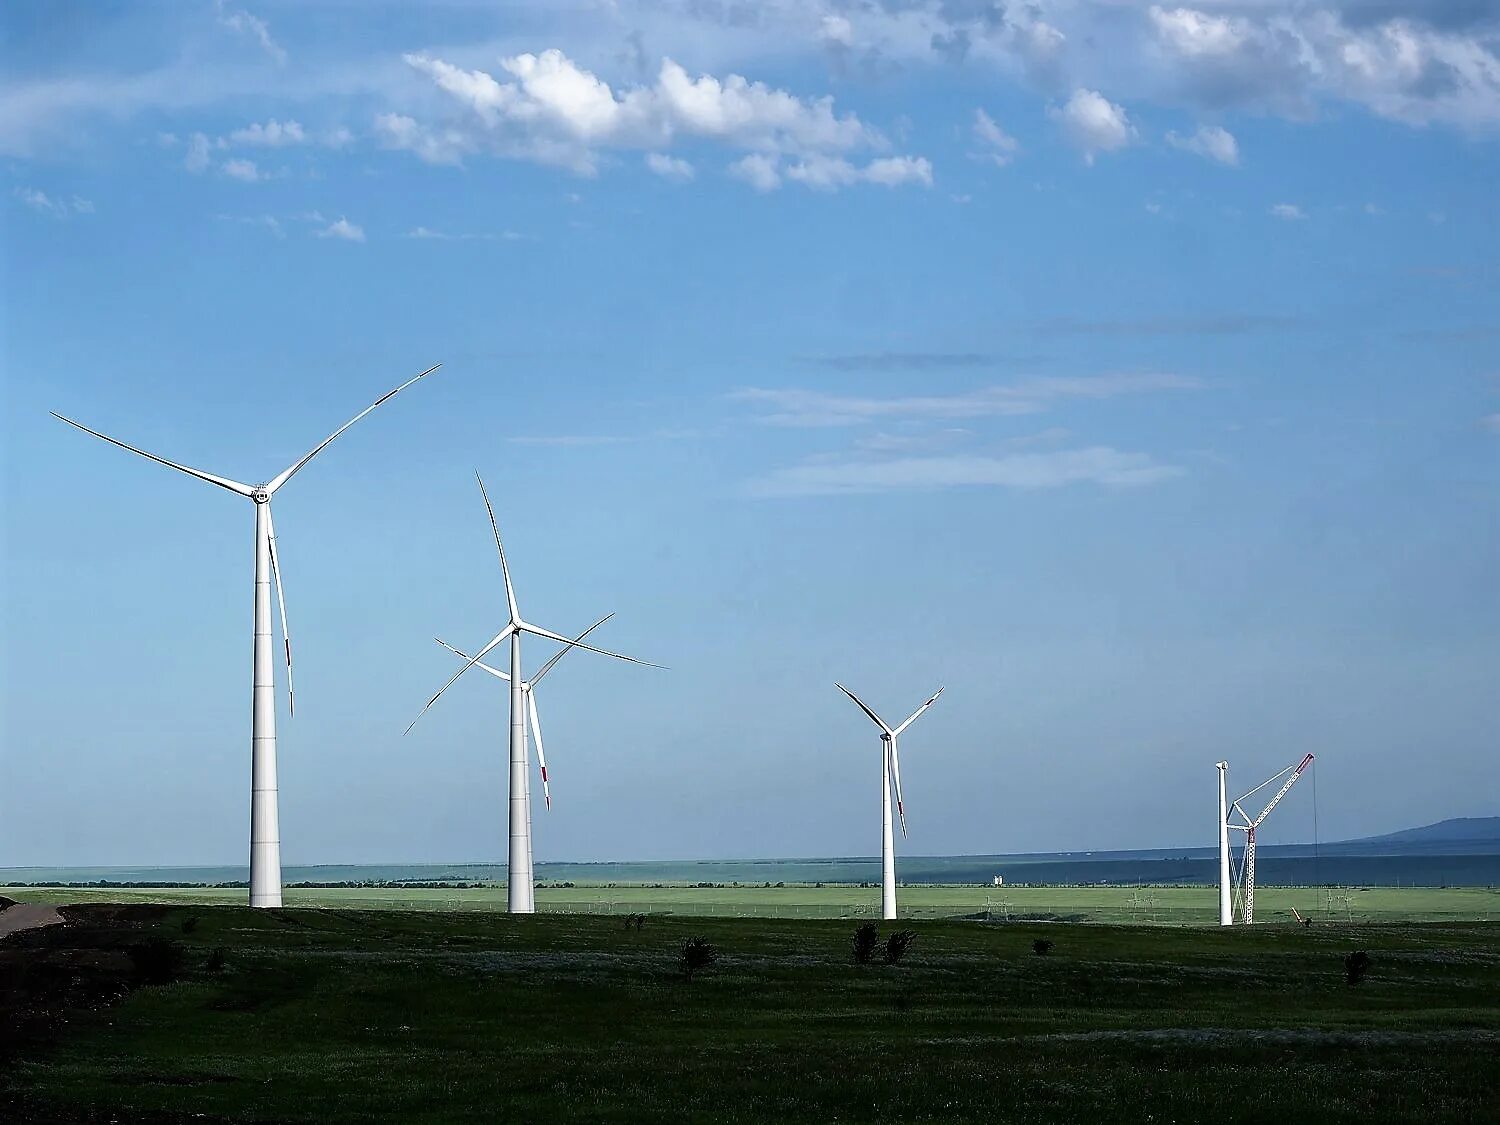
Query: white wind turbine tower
pixel 1246 881
pixel 890 775
pixel 519 889
pixel 265 834
pixel 528 689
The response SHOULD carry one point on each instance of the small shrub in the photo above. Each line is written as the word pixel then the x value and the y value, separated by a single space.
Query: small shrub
pixel 1041 947
pixel 697 955
pixel 215 963
pixel 190 924
pixel 1356 965
pixel 897 944
pixel 865 939
pixel 634 921
pixel 158 960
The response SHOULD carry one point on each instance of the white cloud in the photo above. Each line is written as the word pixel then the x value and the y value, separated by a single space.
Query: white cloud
pixel 57 207
pixel 757 170
pixel 1000 146
pixel 243 170
pixel 1288 211
pixel 837 30
pixel 553 111
pixel 1099 465
pixel 1211 141
pixel 1094 123
pixel 806 408
pixel 440 236
pixel 829 173
pixel 342 228
pixel 197 158
pixel 273 134
pixel 243 23
pixel 669 167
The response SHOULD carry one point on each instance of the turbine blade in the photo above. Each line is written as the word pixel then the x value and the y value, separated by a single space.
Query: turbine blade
pixel 478 663
pixel 560 653
pixel 541 755
pixel 222 482
pixel 878 720
pixel 286 636
pixel 913 716
pixel 895 760
pixel 288 473
pixel 510 592
pixel 537 630
pixel 500 636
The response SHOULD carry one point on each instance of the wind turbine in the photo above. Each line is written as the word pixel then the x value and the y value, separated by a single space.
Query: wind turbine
pixel 1247 867
pixel 527 689
pixel 265 833
pixel 890 774
pixel 519 890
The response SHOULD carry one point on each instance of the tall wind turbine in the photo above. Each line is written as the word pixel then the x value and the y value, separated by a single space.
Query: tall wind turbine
pixel 528 688
pixel 1248 827
pixel 519 890
pixel 890 775
pixel 1226 908
pixel 265 833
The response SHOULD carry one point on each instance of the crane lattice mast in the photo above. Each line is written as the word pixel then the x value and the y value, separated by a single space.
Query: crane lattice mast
pixel 1247 875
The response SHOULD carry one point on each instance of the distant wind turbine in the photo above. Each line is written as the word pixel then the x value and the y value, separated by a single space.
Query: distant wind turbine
pixel 890 775
pixel 528 689
pixel 519 891
pixel 265 833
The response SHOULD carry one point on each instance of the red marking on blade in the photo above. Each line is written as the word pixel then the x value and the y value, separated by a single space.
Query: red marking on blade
pixel 288 652
pixel 544 774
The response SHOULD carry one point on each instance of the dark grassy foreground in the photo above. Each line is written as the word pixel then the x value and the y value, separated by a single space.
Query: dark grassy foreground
pixel 331 1015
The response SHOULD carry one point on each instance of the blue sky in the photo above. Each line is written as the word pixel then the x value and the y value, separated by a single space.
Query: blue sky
pixel 1129 369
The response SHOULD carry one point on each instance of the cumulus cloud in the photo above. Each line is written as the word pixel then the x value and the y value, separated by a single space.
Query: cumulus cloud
pixel 242 170
pixel 429 234
pixel 273 134
pixel 1093 123
pixel 807 408
pixel 1212 142
pixel 1288 211
pixel 1100 465
pixel 553 111
pixel 57 207
pixel 669 167
pixel 757 170
pixel 998 145
pixel 342 228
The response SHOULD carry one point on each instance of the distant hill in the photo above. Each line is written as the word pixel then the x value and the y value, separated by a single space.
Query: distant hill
pixel 1466 829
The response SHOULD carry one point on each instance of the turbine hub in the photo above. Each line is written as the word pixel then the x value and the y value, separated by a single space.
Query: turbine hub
pixel 261 496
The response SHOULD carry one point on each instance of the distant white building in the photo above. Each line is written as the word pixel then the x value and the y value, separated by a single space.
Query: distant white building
pixel 999 881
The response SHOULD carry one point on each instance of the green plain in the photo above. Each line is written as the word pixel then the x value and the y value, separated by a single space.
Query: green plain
pixel 429 1016
pixel 1134 905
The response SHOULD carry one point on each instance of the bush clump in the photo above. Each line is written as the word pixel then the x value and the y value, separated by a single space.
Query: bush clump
pixel 697 955
pixel 1041 947
pixel 897 944
pixel 1356 965
pixel 215 962
pixel 865 939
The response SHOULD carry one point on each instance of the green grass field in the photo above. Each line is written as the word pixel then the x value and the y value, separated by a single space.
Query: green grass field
pixel 338 1015
pixel 1145 905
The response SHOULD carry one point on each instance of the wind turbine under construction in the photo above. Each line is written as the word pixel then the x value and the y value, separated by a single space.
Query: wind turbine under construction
pixel 265 833
pixel 890 775
pixel 519 880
